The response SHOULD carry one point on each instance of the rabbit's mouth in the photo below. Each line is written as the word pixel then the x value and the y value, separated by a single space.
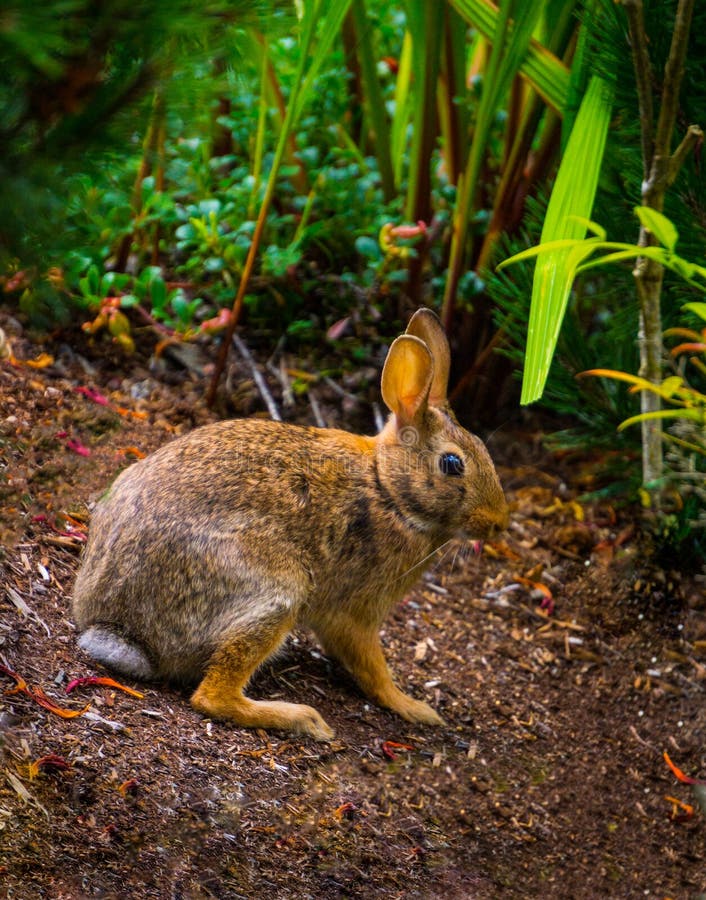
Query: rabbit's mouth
pixel 477 547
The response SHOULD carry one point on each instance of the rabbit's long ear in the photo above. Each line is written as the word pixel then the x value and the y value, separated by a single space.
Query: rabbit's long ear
pixel 425 324
pixel 407 378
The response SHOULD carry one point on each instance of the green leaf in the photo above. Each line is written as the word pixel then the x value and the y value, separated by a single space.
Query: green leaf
pixel 547 74
pixel 368 247
pixel 93 280
pixel 659 225
pixel 214 263
pixel 570 202
pixel 158 293
pixel 186 232
pixel 671 385
pixel 148 275
pixel 593 227
pixel 183 307
pixel 84 285
pixel 693 414
pixel 117 280
pixel 698 309
pixel 209 207
pixel 530 252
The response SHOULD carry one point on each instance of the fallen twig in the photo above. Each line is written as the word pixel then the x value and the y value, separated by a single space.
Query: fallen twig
pixel 260 382
pixel 316 409
pixel 106 724
pixel 23 793
pixel 280 373
pixel 24 609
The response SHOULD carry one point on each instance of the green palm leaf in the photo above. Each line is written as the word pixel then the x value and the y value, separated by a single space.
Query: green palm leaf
pixel 572 197
pixel 547 74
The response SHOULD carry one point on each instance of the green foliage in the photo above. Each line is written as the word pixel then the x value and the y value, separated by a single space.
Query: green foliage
pixel 593 335
pixel 562 247
pixel 74 73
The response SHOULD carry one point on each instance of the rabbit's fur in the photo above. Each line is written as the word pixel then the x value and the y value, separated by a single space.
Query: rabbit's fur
pixel 204 556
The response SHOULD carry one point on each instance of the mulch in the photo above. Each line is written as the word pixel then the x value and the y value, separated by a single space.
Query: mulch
pixel 564 661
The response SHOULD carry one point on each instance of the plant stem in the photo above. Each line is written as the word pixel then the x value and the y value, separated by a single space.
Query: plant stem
pixel 660 169
pixel 643 76
pixel 373 98
pixel 427 47
pixel 151 147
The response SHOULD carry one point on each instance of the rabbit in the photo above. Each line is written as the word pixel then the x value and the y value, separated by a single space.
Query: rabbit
pixel 203 557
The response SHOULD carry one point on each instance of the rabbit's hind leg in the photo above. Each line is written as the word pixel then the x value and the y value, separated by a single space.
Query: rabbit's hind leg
pixel 220 694
pixel 358 648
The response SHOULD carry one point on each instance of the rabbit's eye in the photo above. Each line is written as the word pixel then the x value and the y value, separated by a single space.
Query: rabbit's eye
pixel 451 464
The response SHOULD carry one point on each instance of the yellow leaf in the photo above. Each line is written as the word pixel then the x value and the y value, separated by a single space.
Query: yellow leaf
pixel 671 384
pixel 40 362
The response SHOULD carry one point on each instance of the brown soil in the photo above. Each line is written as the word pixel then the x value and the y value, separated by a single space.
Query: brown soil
pixel 548 779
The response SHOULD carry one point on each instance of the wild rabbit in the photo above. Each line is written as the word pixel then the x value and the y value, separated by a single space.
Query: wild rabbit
pixel 204 556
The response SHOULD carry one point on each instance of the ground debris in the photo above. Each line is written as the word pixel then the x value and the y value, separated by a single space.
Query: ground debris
pixel 547 779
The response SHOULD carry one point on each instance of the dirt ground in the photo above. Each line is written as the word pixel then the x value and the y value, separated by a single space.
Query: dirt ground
pixel 564 663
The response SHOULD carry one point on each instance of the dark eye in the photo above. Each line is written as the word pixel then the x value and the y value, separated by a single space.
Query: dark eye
pixel 451 464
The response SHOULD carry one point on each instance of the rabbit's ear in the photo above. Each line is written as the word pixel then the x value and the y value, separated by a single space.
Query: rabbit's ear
pixel 407 376
pixel 425 324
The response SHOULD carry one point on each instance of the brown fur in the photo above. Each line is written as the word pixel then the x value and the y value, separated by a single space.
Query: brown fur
pixel 202 557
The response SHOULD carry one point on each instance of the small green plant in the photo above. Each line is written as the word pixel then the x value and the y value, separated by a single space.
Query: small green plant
pixel 162 306
pixel 682 391
pixel 682 522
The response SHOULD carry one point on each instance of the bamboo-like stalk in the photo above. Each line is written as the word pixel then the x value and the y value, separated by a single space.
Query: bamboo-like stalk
pixel 453 111
pixel 354 114
pixel 514 181
pixel 150 149
pixel 373 98
pixel 510 42
pixel 273 92
pixel 259 149
pixel 426 49
pixel 401 115
pixel 159 181
pixel 426 45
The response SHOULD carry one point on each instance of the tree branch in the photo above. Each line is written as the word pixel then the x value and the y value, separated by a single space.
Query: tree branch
pixel 673 74
pixel 643 77
pixel 694 135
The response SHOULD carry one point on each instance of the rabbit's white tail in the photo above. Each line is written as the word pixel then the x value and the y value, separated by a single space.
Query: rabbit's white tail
pixel 116 652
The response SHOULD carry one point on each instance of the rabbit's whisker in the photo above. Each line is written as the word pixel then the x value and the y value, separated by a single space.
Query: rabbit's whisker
pixel 445 550
pixel 457 550
pixel 422 561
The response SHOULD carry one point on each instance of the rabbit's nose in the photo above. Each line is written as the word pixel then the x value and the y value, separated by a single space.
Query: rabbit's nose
pixel 496 521
pixel 503 519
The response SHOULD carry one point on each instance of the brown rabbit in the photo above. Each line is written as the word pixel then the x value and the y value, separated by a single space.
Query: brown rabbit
pixel 204 556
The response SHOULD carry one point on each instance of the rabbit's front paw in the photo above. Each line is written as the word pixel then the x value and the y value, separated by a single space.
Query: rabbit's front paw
pixel 306 720
pixel 417 711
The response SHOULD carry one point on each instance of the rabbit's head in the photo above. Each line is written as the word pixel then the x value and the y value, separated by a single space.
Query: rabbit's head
pixel 440 475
